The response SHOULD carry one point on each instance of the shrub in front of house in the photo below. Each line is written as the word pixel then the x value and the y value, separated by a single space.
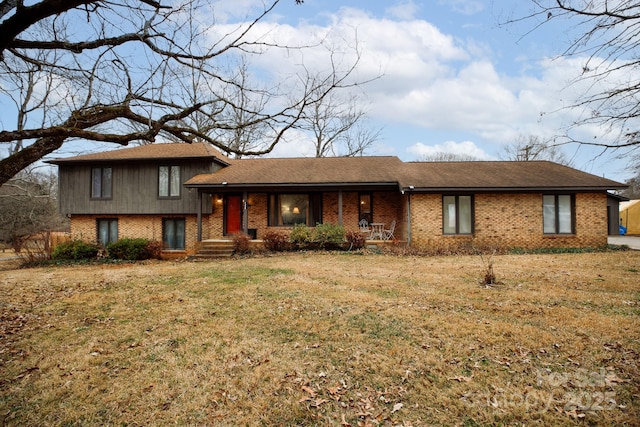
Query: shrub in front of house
pixel 275 241
pixel 328 236
pixel 133 249
pixel 356 239
pixel 301 236
pixel 75 250
pixel 241 243
pixel 322 236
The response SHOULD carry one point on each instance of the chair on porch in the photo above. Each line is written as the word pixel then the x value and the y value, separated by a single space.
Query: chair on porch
pixel 388 233
pixel 364 227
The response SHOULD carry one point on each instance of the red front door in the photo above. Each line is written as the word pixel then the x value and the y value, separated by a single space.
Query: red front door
pixel 233 215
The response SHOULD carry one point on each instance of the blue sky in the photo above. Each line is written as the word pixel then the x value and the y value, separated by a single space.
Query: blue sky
pixel 456 77
pixel 453 76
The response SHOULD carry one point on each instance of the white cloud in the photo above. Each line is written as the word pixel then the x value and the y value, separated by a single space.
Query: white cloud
pixel 431 80
pixel 405 10
pixel 467 148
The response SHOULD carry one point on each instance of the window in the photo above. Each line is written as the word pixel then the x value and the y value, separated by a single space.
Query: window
pixel 173 233
pixel 457 214
pixel 291 209
pixel 101 182
pixel 557 212
pixel 365 208
pixel 169 181
pixel 107 230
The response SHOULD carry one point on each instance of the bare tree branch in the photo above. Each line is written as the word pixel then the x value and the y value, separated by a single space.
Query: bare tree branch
pixel 139 71
pixel 607 42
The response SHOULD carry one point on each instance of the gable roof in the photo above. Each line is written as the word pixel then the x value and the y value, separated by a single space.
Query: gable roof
pixel 501 176
pixel 305 171
pixel 157 151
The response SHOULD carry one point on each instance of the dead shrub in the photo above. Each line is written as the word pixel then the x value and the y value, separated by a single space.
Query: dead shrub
pixel 241 243
pixel 275 241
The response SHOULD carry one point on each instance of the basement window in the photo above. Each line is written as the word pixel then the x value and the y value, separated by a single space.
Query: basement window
pixel 173 234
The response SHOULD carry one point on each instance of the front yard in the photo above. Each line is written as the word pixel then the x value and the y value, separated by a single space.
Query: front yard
pixel 324 339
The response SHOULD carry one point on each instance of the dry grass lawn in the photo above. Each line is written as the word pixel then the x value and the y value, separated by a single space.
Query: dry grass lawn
pixel 338 339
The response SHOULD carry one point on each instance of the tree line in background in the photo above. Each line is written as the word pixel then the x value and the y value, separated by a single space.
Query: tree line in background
pixel 28 208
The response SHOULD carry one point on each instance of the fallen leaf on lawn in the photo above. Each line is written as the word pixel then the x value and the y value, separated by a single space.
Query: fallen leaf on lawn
pixel 309 390
pixel 461 379
pixel 319 402
pixel 397 407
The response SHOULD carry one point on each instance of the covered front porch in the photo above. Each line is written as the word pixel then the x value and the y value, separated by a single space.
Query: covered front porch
pixel 223 214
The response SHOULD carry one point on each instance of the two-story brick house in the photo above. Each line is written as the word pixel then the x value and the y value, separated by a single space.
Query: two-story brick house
pixel 184 193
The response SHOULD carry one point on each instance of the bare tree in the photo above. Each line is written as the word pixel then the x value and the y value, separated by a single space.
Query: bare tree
pixel 119 77
pixel 28 206
pixel 531 147
pixel 338 126
pixel 443 156
pixel 607 43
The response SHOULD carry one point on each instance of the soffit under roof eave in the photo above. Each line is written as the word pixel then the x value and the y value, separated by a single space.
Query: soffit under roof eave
pixel 505 189
pixel 321 186
pixel 70 162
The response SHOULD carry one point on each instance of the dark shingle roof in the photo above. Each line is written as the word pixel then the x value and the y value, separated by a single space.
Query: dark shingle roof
pixel 381 171
pixel 500 175
pixel 150 151
pixel 422 176
pixel 308 170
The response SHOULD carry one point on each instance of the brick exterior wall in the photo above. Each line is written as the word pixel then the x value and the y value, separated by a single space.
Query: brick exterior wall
pixel 501 220
pixel 84 227
pixel 387 206
pixel 509 221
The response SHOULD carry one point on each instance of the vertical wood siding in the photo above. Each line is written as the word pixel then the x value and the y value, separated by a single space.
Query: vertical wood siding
pixel 135 189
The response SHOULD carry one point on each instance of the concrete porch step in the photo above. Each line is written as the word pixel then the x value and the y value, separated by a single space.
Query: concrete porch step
pixel 214 249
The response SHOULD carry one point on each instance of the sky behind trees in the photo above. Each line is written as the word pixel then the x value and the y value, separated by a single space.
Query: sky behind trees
pixel 446 75
pixel 456 76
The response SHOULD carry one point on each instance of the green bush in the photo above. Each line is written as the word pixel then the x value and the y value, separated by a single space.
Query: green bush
pixel 275 241
pixel 75 250
pixel 328 236
pixel 301 235
pixel 133 249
